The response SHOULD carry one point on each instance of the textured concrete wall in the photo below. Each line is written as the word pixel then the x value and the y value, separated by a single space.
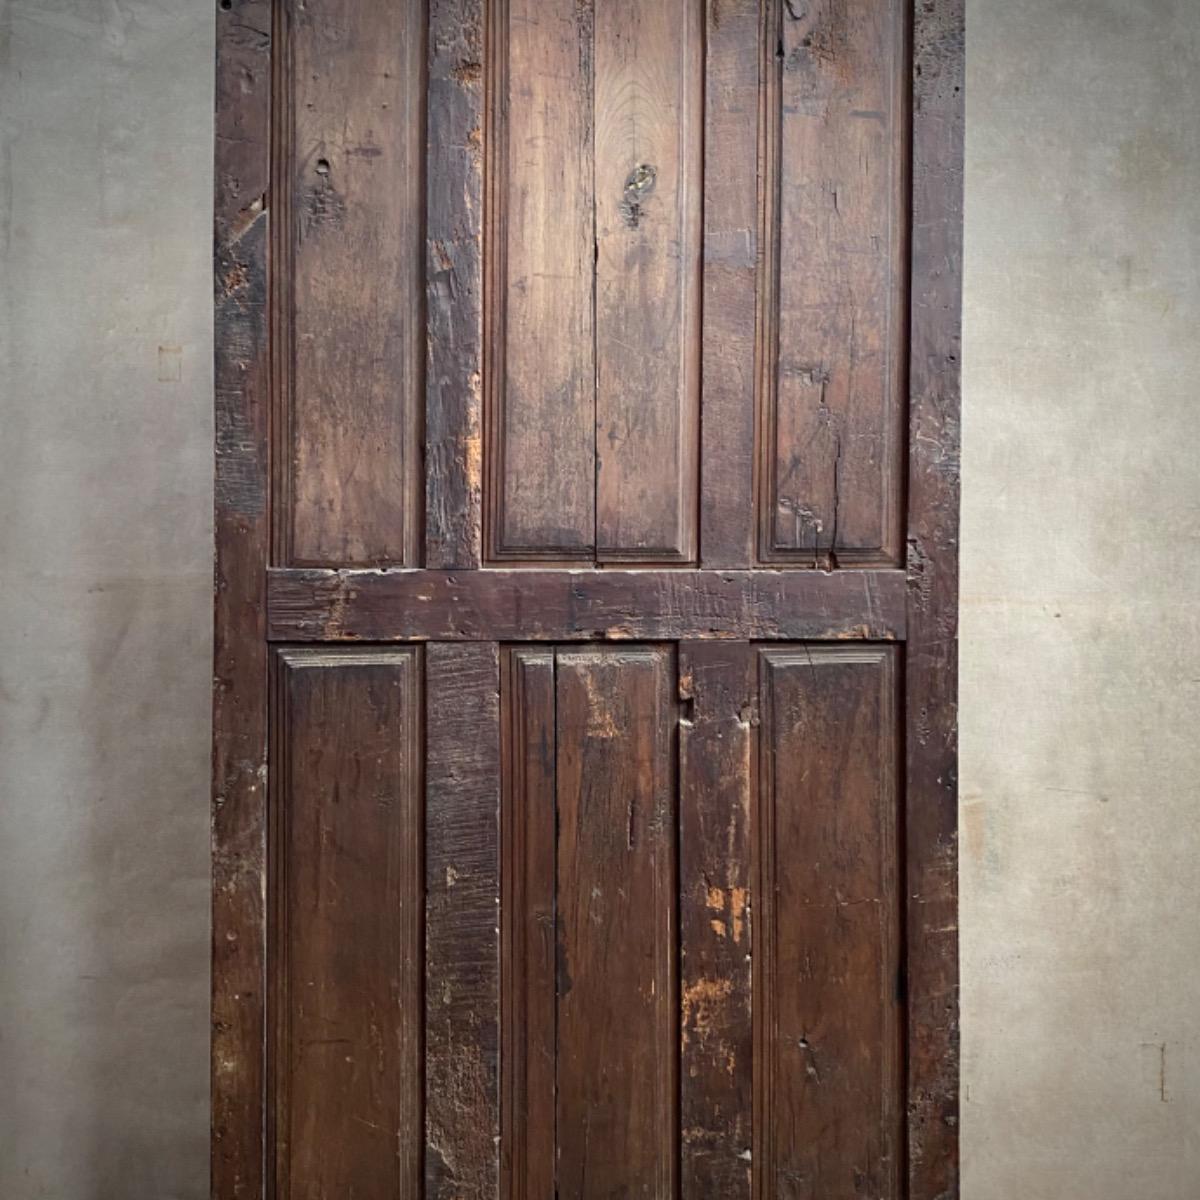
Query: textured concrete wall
pixel 1080 660
pixel 105 469
pixel 1081 576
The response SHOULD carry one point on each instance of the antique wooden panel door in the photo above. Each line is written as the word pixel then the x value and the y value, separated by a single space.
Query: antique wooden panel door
pixel 587 402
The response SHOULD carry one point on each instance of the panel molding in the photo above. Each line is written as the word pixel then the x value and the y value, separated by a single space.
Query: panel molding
pixel 352 494
pixel 832 1072
pixel 829 451
pixel 346 675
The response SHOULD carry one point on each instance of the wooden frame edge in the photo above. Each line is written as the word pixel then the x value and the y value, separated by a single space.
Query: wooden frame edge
pixel 931 659
pixel 245 34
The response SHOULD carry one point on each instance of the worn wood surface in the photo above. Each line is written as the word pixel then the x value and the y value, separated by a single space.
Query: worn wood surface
pixel 733 46
pixel 835 224
pixel 581 370
pixel 617 1057
pixel 648 138
pixel 541 353
pixel 529 911
pixel 829 1103
pixel 242 531
pixel 352 166
pixel 454 285
pixel 563 605
pixel 462 938
pixel 718 717
pixel 346 979
pixel 931 669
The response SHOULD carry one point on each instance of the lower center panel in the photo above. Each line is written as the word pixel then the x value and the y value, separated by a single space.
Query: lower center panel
pixel 590 973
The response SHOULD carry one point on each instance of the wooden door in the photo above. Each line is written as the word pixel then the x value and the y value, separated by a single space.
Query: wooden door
pixel 586 448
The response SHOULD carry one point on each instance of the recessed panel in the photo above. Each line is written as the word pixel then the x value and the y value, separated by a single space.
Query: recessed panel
pixel 590 994
pixel 353 281
pixel 834 321
pixel 347 900
pixel 827 917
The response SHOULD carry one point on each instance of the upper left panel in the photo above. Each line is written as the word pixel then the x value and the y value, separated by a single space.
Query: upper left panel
pixel 349 282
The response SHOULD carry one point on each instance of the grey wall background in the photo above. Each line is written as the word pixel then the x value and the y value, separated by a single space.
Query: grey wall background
pixel 105 574
pixel 1080 678
pixel 1080 657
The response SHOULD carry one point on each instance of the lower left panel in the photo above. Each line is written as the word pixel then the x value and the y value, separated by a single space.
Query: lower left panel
pixel 346 904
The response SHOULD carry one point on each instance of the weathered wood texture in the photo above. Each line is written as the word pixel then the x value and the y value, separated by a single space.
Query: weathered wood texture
pixel 733 45
pixel 828 1112
pixel 835 217
pixel 244 36
pixel 717 693
pixel 616 938
pixel 588 605
pixel 529 910
pixel 454 285
pixel 931 668
pixel 593 354
pixel 541 349
pixel 462 940
pixel 346 979
pixel 351 171
pixel 648 128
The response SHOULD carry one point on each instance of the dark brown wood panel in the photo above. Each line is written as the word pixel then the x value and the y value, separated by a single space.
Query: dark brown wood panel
pixel 585 605
pixel 616 951
pixel 346 978
pixel 240 653
pixel 648 131
pixel 351 175
pixel 529 912
pixel 462 941
pixel 454 285
pixel 733 45
pixel 828 1113
pixel 931 668
pixel 835 223
pixel 717 693
pixel 541 348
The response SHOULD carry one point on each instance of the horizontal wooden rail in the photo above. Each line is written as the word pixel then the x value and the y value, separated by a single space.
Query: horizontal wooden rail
pixel 566 605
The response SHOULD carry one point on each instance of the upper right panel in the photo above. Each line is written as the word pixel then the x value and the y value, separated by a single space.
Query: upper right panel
pixel 832 374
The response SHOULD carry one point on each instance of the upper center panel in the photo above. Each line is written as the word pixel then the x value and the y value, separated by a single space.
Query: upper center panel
pixel 594 173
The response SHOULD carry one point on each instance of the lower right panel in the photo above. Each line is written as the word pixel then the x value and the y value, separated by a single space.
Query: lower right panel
pixel 827 998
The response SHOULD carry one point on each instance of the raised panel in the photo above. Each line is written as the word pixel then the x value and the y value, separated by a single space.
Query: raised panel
pixel 346 899
pixel 835 222
pixel 539 364
pixel 593 236
pixel 828 1019
pixel 649 129
pixel 590 991
pixel 351 281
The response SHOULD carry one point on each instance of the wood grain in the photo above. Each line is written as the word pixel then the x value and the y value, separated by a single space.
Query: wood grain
pixel 353 173
pixel 616 955
pixel 932 664
pixel 828 1113
pixel 835 216
pixel 585 605
pixel 462 940
pixel 242 531
pixel 347 885
pixel 529 910
pixel 717 692
pixel 454 285
pixel 648 142
pixel 733 45
pixel 541 349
